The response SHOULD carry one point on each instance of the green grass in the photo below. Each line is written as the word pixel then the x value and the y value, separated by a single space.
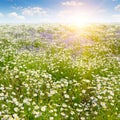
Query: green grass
pixel 57 78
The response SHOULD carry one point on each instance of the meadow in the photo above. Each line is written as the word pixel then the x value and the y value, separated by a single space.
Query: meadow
pixel 59 72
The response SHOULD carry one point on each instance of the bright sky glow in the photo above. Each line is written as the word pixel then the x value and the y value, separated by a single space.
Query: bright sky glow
pixel 63 11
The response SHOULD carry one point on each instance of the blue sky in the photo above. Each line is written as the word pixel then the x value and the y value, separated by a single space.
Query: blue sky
pixel 68 11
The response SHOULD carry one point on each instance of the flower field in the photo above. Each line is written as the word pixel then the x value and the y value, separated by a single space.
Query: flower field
pixel 59 72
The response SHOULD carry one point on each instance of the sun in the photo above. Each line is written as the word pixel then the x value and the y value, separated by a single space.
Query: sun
pixel 78 19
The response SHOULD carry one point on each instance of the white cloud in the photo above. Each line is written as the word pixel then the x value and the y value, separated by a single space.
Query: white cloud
pixel 33 11
pixel 72 3
pixel 74 16
pixel 117 7
pixel 73 13
pixel 64 13
pixel 117 16
pixel 16 16
pixel 1 15
pixel 17 7
pixel 102 11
